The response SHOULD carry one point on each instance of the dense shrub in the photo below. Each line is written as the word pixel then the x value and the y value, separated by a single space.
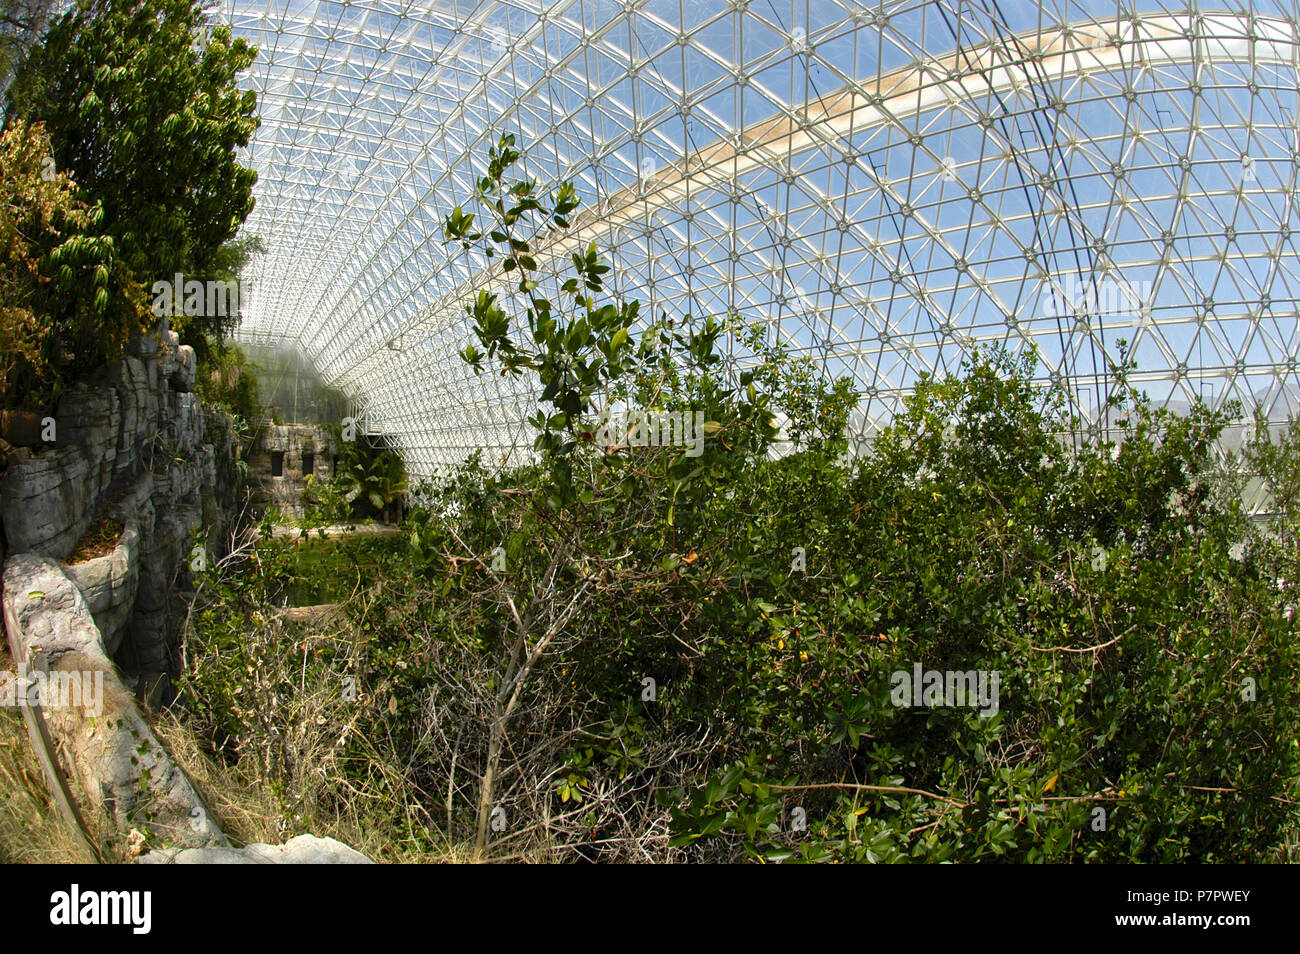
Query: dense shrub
pixel 371 482
pixel 1144 658
pixel 145 119
pixel 66 299
pixel 226 380
pixel 635 652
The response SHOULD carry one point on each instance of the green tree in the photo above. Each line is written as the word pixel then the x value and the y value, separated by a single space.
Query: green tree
pixel 141 104
pixel 229 265
pixel 574 542
pixel 66 298
pixel 372 479
pixel 21 24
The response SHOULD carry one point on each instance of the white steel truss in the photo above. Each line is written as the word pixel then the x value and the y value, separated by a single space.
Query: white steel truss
pixel 884 185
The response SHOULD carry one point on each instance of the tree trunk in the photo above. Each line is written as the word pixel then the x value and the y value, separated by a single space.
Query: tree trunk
pixel 489 779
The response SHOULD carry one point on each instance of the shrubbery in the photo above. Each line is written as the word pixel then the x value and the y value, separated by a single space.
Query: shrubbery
pixel 118 168
pixel 66 298
pixel 147 118
pixel 227 380
pixel 629 652
pixel 371 481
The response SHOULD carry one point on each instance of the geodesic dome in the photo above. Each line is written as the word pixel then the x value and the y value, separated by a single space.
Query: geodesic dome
pixel 884 185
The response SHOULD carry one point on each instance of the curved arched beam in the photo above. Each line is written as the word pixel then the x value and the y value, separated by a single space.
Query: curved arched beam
pixel 1027 59
pixel 1076 50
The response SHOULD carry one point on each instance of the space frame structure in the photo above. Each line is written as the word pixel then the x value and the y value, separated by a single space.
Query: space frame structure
pixel 883 186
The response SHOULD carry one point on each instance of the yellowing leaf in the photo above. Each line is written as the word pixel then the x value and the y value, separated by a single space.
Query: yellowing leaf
pixel 1051 784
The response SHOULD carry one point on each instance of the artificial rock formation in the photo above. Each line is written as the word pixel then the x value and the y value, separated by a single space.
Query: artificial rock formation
pixel 133 442
pixel 111 583
pixel 104 745
pixel 303 850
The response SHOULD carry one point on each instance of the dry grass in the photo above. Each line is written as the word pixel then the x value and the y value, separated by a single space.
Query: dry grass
pixel 248 810
pixel 31 831
pixel 245 807
pixel 245 810
pixel 100 540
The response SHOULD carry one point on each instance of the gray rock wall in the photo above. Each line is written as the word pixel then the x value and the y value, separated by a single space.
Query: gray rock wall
pixel 100 741
pixel 109 752
pixel 110 585
pixel 134 443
